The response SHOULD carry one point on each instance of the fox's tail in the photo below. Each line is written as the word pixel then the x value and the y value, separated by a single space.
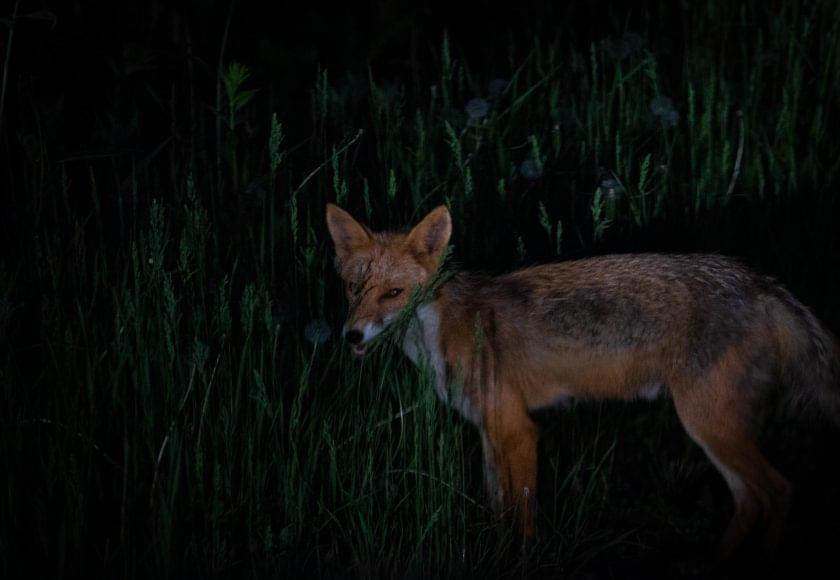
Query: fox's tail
pixel 810 354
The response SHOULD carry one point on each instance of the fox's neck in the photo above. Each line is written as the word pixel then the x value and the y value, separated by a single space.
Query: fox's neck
pixel 435 323
pixel 421 343
pixel 460 297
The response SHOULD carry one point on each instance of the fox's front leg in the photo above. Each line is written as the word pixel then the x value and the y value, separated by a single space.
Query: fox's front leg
pixel 509 441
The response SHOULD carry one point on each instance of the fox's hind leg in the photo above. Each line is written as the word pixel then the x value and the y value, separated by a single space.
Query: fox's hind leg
pixel 717 413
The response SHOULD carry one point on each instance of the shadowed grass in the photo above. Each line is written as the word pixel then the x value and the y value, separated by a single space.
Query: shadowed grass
pixel 165 409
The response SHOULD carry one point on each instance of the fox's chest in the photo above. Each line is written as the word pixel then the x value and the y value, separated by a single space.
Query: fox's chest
pixel 421 344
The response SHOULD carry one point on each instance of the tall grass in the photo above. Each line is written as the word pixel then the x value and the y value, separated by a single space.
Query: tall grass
pixel 176 394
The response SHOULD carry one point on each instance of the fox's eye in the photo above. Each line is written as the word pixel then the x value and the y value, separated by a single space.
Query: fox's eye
pixel 393 293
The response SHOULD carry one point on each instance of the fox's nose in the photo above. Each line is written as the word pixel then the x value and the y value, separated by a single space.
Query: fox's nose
pixel 354 336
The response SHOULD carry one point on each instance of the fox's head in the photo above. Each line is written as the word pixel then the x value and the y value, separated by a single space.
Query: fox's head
pixel 381 269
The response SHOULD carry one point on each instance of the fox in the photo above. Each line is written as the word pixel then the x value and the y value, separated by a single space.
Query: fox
pixel 703 328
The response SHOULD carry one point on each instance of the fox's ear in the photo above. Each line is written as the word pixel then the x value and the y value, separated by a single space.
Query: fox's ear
pixel 428 238
pixel 349 236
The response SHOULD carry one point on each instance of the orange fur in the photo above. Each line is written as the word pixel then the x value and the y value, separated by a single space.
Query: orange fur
pixel 703 327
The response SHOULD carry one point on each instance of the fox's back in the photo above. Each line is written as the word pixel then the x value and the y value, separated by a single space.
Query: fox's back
pixel 628 299
pixel 683 310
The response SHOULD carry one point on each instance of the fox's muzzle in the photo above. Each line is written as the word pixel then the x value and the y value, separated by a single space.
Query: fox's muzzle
pixel 353 336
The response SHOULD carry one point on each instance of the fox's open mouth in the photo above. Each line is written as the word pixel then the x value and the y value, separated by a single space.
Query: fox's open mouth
pixel 359 350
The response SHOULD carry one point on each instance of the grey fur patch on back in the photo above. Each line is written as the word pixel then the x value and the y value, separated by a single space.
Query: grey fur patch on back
pixel 602 317
pixel 723 312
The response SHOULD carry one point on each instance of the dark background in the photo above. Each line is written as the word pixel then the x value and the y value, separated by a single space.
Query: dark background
pixel 102 76
pixel 120 85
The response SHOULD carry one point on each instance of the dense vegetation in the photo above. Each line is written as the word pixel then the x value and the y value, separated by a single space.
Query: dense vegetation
pixel 176 395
